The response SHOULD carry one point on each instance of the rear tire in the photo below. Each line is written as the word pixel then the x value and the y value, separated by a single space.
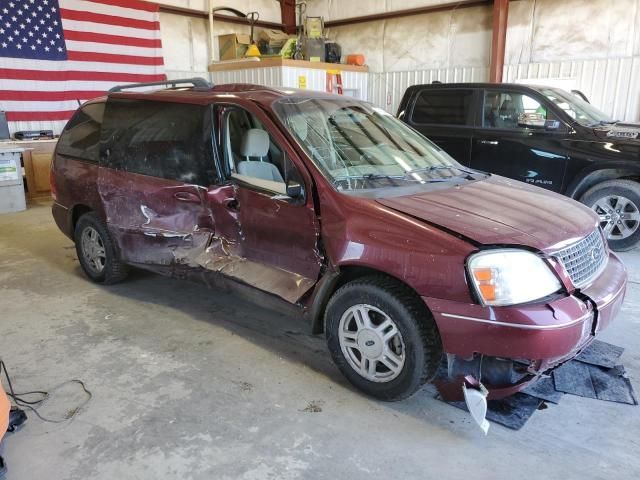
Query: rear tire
pixel 382 337
pixel 96 251
pixel 617 203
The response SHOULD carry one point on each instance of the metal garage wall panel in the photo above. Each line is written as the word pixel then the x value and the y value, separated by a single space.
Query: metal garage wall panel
pixel 174 74
pixel 612 85
pixel 260 76
pixel 316 79
pixel 386 89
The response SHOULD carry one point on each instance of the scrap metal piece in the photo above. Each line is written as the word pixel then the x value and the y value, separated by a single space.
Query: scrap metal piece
pixel 475 396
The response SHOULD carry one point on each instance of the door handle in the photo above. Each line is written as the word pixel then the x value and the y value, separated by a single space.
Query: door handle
pixel 186 197
pixel 489 142
pixel 231 203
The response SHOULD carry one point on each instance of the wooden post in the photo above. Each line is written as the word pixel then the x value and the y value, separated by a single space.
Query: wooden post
pixel 499 39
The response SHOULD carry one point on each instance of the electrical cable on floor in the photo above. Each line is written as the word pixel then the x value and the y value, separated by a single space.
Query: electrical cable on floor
pixel 33 405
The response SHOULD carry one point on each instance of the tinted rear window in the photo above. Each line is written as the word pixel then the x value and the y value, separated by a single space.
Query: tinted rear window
pixel 81 135
pixel 446 107
pixel 166 140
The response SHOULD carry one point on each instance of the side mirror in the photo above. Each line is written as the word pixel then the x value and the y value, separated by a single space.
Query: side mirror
pixel 531 120
pixel 294 189
pixel 550 125
pixel 292 192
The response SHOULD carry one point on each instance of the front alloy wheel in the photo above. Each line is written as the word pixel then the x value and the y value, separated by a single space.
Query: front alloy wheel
pixel 382 337
pixel 371 343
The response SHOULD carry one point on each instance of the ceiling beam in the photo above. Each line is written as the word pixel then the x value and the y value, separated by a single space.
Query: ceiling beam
pixel 191 12
pixel 406 13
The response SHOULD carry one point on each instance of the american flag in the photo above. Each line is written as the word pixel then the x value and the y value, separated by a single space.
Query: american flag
pixel 54 53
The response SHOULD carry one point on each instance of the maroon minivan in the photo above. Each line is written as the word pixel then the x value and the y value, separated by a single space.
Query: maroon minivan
pixel 331 207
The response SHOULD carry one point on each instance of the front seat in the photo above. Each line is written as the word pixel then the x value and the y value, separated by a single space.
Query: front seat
pixel 255 144
pixel 508 114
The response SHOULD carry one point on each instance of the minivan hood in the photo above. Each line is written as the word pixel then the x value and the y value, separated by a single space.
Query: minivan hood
pixel 501 211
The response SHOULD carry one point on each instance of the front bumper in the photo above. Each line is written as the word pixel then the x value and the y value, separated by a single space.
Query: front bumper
pixel 544 335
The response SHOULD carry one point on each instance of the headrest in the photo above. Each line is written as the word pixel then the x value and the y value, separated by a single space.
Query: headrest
pixel 507 106
pixel 255 143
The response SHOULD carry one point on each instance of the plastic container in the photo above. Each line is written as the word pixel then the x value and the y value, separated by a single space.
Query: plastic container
pixel 11 187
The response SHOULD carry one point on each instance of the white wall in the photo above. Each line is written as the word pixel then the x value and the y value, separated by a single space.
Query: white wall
pixel 436 40
pixel 594 43
pixel 551 30
pixel 185 39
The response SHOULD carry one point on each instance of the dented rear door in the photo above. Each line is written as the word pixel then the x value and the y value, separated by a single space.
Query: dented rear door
pixel 156 163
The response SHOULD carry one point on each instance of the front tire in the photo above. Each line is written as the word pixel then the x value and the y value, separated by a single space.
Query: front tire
pixel 382 337
pixel 617 203
pixel 96 251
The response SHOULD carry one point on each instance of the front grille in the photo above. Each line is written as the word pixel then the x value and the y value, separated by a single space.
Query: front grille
pixel 584 260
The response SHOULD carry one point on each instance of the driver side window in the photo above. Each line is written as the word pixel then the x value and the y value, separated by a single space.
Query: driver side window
pixel 512 110
pixel 252 155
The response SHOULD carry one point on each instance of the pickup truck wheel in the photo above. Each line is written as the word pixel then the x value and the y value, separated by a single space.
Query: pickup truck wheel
pixel 382 337
pixel 617 203
pixel 96 251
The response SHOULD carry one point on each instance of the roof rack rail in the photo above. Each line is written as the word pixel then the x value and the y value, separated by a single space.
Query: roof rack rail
pixel 197 82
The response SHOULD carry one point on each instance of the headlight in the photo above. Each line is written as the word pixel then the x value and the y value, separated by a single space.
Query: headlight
pixel 509 276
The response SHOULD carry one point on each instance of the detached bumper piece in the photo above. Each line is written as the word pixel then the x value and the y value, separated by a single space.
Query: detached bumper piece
pixel 595 373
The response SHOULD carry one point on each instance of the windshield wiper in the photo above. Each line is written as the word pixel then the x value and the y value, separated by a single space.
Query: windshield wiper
pixel 368 176
pixel 437 167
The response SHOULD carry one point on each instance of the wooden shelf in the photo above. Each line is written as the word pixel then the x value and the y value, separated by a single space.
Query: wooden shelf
pixel 244 64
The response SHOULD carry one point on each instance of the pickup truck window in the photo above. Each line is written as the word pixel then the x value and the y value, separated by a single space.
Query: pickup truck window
pixel 446 107
pixel 582 112
pixel 507 109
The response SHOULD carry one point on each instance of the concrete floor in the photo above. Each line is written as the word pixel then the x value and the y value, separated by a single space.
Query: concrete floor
pixel 189 383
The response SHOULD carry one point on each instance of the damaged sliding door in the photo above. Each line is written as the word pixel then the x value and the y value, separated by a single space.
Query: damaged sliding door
pixel 156 162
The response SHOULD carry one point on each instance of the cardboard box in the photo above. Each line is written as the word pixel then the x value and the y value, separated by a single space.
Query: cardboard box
pixel 233 45
pixel 273 38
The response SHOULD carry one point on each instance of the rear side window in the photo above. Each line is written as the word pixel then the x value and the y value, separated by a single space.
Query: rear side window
pixel 158 139
pixel 81 136
pixel 445 107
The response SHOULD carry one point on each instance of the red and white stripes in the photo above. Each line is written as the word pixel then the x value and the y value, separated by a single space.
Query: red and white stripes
pixel 108 42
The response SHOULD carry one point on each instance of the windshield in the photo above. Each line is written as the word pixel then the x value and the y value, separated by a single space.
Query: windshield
pixel 357 146
pixel 582 112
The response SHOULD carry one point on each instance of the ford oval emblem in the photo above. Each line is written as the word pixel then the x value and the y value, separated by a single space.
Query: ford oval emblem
pixel 369 343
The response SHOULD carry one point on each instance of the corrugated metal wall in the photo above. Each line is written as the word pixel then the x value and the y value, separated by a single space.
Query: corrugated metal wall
pixel 386 89
pixel 612 85
pixel 353 83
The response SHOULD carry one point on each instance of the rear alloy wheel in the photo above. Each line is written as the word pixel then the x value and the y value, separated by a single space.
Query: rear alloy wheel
pixel 92 248
pixel 382 337
pixel 617 204
pixel 96 251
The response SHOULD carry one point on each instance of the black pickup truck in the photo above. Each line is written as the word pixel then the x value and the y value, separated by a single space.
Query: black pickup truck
pixel 540 135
